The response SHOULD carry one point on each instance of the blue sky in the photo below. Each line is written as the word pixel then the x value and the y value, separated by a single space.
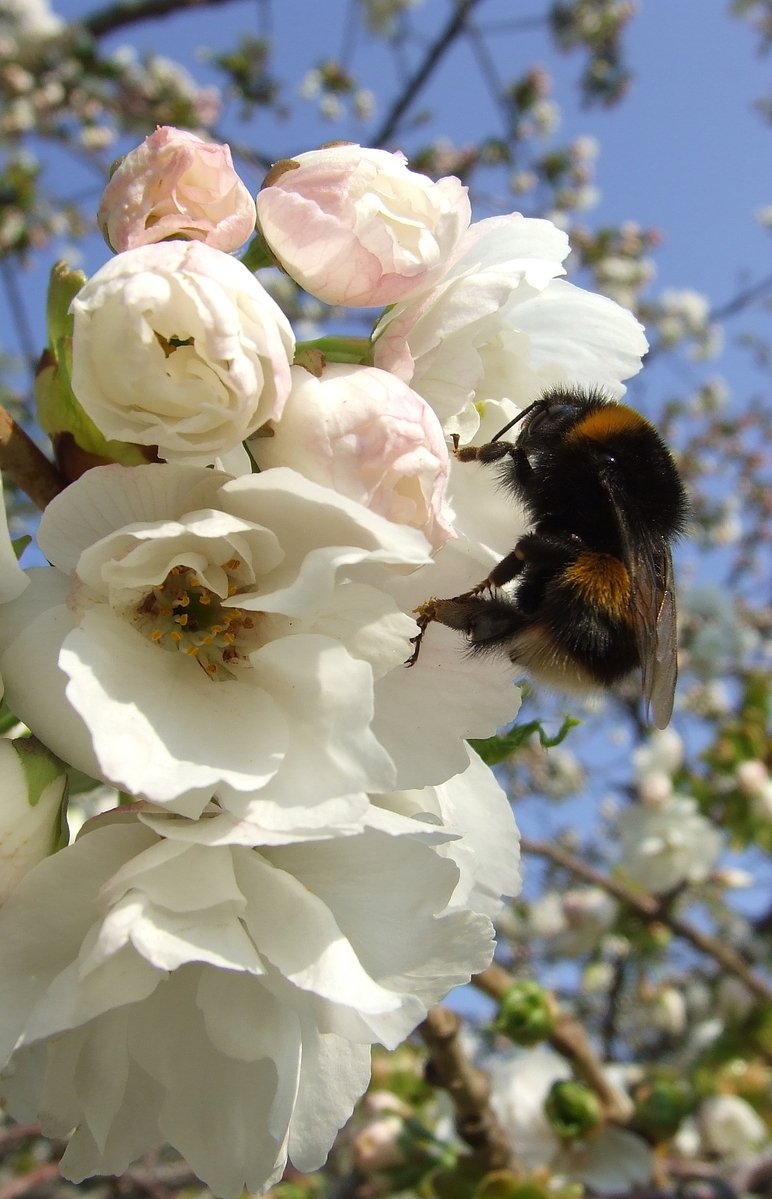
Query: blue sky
pixel 684 152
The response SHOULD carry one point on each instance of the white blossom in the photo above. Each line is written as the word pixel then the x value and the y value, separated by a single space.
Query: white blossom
pixel 731 1127
pixel 222 999
pixel 204 351
pixel 611 1159
pixel 197 633
pixel 667 845
pixel 501 325
pixel 365 433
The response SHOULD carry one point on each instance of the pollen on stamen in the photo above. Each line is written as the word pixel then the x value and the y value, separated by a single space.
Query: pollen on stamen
pixel 182 615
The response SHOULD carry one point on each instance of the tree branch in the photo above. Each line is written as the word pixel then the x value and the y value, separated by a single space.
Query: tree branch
pixel 25 464
pixel 468 1087
pixel 569 1040
pixel 420 77
pixel 654 911
pixel 130 12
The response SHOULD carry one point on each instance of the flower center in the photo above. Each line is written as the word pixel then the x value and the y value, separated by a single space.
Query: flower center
pixel 181 615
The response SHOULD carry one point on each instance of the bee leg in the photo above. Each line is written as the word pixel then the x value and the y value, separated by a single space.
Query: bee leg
pixel 482 618
pixel 508 568
pixel 423 619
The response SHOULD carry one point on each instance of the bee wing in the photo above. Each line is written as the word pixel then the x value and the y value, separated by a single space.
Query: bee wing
pixel 650 566
pixel 656 634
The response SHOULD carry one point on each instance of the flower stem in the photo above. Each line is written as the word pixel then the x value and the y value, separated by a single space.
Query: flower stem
pixel 340 349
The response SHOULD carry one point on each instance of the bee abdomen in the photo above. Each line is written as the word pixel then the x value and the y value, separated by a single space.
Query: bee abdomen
pixel 601 581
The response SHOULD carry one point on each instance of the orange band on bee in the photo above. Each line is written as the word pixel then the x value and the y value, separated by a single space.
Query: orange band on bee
pixel 601 580
pixel 606 421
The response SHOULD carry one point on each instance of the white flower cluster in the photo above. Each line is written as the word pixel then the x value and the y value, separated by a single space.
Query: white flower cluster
pixel 308 855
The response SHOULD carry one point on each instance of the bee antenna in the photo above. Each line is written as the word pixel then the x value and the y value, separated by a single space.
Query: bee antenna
pixel 515 419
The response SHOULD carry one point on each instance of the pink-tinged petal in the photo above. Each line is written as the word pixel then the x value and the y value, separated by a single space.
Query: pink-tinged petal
pixel 364 433
pixel 175 185
pixel 354 226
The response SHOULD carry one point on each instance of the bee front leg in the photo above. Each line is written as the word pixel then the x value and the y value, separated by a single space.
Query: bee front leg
pixel 443 611
pixel 483 618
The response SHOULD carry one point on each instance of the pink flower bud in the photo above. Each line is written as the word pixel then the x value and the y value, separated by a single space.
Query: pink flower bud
pixel 354 226
pixel 366 434
pixel 176 186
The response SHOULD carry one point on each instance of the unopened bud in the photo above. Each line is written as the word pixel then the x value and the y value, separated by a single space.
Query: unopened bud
pixel 527 1013
pixel 572 1109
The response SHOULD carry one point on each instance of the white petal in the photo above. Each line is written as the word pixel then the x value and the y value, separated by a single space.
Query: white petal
pixel 334 1074
pixel 160 726
pixel 581 337
pixel 108 498
pixel 327 697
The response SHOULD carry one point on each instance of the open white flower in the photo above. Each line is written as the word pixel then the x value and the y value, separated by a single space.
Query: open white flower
pixel 609 1160
pixel 197 633
pixel 220 999
pixel 499 325
pixel 668 844
pixel 177 345
pixel 732 1128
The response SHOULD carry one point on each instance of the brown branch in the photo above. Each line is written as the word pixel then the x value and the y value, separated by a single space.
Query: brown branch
pixel 130 12
pixel 654 911
pixel 13 1135
pixel 569 1039
pixel 454 27
pixel 25 464
pixel 41 1176
pixel 468 1087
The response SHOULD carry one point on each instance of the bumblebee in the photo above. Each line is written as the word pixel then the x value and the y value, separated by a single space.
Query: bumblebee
pixel 586 596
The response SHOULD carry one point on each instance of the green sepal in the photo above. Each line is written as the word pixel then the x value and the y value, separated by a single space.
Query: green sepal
pixel 59 413
pixel 258 254
pixel 41 768
pixel 494 750
pixel 573 1110
pixel 526 1014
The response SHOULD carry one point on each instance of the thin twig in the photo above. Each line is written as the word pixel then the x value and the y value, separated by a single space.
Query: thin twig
pixel 569 1039
pixel 25 464
pixel 653 911
pixel 420 77
pixel 468 1087
pixel 130 12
